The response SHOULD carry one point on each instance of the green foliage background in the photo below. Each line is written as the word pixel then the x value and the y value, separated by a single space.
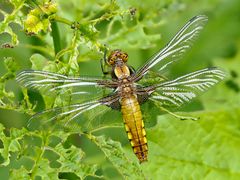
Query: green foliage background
pixel 206 149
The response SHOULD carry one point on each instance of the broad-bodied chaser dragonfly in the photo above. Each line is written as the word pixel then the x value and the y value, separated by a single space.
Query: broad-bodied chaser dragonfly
pixel 126 91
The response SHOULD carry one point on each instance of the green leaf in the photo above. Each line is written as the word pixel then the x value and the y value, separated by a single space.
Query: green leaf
pixel 11 64
pixel 49 151
pixel 115 154
pixel 7 96
pixel 42 167
pixel 38 61
pixel 71 160
pixel 20 173
pixel 204 149
pixel 11 143
pixel 9 18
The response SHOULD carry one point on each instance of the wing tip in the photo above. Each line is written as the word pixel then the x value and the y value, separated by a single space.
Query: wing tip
pixel 202 17
pixel 224 74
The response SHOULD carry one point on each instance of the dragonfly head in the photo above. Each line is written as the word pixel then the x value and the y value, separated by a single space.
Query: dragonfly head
pixel 117 57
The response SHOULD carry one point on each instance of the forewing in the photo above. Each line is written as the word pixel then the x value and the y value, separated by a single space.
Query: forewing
pixel 78 117
pixel 53 83
pixel 174 50
pixel 183 89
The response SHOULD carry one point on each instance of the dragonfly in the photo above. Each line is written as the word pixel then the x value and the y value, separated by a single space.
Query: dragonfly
pixel 125 87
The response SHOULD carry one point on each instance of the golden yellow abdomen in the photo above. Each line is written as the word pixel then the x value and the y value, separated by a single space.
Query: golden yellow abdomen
pixel 134 126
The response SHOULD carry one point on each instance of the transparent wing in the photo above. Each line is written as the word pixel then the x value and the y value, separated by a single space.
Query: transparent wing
pixel 183 89
pixel 51 83
pixel 179 44
pixel 84 116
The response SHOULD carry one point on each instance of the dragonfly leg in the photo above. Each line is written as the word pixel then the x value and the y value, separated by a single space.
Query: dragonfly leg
pixel 104 67
pixel 104 64
pixel 179 116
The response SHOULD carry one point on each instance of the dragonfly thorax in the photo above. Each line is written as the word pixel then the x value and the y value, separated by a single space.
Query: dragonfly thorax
pixel 126 88
pixel 121 71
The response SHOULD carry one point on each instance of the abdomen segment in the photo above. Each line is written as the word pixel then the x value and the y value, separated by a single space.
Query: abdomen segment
pixel 134 126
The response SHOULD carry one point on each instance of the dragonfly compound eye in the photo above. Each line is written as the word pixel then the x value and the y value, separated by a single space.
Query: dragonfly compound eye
pixel 111 60
pixel 117 55
pixel 124 57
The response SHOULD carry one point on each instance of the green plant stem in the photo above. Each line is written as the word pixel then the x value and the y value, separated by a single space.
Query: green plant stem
pixel 39 156
pixel 56 37
pixel 62 20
